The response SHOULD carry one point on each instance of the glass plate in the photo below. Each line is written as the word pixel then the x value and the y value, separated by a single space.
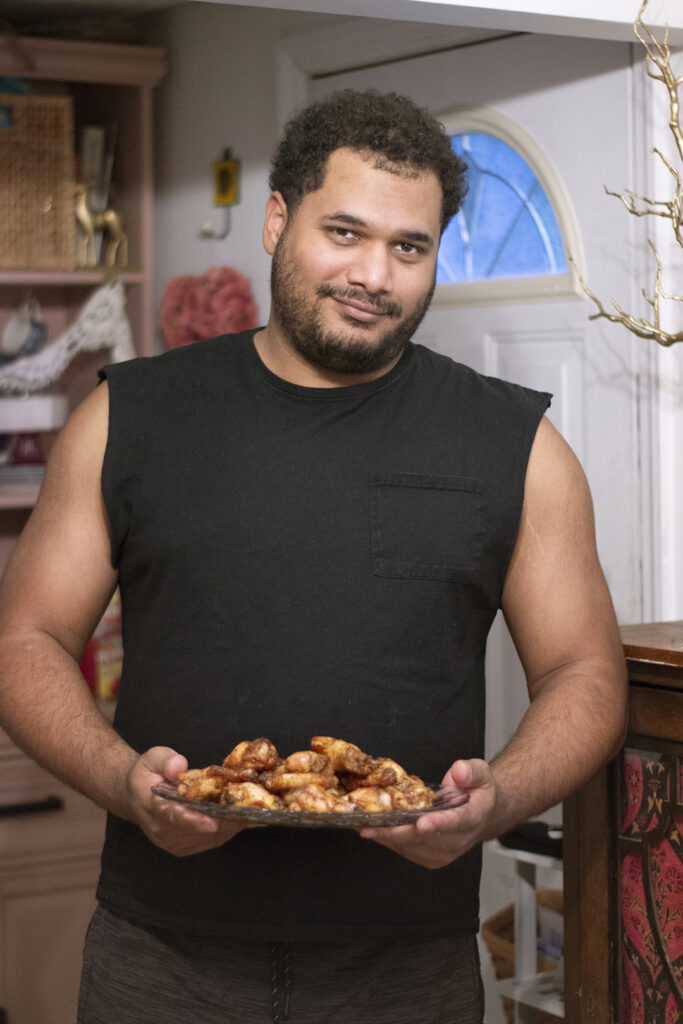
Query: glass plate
pixel 445 799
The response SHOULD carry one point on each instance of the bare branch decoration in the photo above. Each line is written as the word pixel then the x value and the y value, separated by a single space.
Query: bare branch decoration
pixel 658 55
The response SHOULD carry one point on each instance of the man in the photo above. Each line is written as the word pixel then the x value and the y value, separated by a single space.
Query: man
pixel 313 526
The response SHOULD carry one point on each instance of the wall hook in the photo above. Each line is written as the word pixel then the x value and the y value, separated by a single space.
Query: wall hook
pixel 208 230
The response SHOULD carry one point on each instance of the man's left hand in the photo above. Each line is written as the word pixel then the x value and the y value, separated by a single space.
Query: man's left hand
pixel 440 837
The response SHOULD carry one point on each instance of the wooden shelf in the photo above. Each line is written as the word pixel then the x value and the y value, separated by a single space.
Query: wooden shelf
pixel 98 63
pixel 534 993
pixel 45 278
pixel 18 495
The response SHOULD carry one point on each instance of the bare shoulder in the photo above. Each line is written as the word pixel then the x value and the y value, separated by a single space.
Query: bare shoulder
pixel 555 599
pixel 93 410
pixel 76 458
pixel 557 513
pixel 71 491
pixel 554 474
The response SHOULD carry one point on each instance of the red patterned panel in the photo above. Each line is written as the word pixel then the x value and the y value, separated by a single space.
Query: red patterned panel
pixel 667 889
pixel 651 889
pixel 632 789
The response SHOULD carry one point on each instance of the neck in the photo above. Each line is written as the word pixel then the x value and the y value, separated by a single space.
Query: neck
pixel 285 361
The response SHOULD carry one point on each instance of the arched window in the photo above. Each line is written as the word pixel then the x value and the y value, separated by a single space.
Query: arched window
pixel 511 237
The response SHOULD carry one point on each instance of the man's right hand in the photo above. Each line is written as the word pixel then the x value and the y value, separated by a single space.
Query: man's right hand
pixel 169 825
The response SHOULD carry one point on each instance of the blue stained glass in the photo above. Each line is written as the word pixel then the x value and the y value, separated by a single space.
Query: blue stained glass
pixel 506 226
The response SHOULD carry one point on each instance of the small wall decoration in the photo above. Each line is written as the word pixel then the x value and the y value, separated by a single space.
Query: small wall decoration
pixel 226 180
pixel 199 306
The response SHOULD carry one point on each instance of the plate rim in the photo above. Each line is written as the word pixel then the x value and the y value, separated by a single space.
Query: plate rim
pixel 308 819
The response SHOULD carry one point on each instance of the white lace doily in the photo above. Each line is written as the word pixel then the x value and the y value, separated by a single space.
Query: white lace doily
pixel 101 323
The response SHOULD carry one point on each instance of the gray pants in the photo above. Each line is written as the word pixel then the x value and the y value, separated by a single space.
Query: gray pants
pixel 133 975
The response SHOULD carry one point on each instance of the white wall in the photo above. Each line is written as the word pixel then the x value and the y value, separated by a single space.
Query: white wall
pixel 609 19
pixel 220 92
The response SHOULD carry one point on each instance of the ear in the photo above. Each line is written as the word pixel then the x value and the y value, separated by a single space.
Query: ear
pixel 276 220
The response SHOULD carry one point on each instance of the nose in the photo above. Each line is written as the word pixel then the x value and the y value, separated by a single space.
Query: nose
pixel 370 269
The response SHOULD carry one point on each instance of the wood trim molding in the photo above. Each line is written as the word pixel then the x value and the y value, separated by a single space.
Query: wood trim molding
pixel 72 61
pixel 656 713
pixel 586 904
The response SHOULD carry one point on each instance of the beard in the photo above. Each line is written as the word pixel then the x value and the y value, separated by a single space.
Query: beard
pixel 300 319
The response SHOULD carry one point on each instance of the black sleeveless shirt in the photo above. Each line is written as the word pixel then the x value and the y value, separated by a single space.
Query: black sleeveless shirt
pixel 298 561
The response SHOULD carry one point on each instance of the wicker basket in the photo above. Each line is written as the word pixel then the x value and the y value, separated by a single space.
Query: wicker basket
pixel 498 932
pixel 37 223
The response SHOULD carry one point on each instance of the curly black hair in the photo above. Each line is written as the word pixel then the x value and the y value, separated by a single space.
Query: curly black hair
pixel 401 134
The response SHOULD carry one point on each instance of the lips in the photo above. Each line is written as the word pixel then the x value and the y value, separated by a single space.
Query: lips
pixel 366 314
pixel 359 307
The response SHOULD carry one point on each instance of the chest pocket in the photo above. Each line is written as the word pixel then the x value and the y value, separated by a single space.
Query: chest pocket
pixel 426 527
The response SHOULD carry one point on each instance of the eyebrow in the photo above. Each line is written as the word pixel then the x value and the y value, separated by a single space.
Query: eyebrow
pixel 357 222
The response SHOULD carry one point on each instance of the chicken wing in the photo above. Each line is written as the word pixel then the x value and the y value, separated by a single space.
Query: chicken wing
pixel 313 797
pixel 249 794
pixel 278 780
pixel 410 793
pixel 308 761
pixel 257 755
pixel 370 798
pixel 202 784
pixel 343 756
pixel 382 772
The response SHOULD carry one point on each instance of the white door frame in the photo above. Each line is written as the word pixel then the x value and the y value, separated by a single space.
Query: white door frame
pixel 660 370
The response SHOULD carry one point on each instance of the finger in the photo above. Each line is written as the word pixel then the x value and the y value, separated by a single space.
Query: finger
pixel 164 761
pixel 167 762
pixel 395 833
pixel 176 815
pixel 471 774
pixel 173 766
pixel 440 821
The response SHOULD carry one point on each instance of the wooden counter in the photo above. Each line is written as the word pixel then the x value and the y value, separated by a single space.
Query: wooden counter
pixel 656 644
pixel 623 853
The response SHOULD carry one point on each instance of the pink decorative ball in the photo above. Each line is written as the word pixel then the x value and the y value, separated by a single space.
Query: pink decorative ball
pixel 198 306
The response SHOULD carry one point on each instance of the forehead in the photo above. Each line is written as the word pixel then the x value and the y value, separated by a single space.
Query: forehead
pixel 363 185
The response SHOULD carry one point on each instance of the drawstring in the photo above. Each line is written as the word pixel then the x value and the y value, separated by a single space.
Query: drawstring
pixel 280 979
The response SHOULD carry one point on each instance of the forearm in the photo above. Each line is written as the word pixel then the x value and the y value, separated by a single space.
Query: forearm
pixel 575 723
pixel 47 709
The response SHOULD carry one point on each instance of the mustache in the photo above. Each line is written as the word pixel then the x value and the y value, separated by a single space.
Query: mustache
pixel 384 306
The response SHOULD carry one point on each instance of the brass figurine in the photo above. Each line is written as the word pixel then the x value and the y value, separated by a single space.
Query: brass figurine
pixel 89 221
